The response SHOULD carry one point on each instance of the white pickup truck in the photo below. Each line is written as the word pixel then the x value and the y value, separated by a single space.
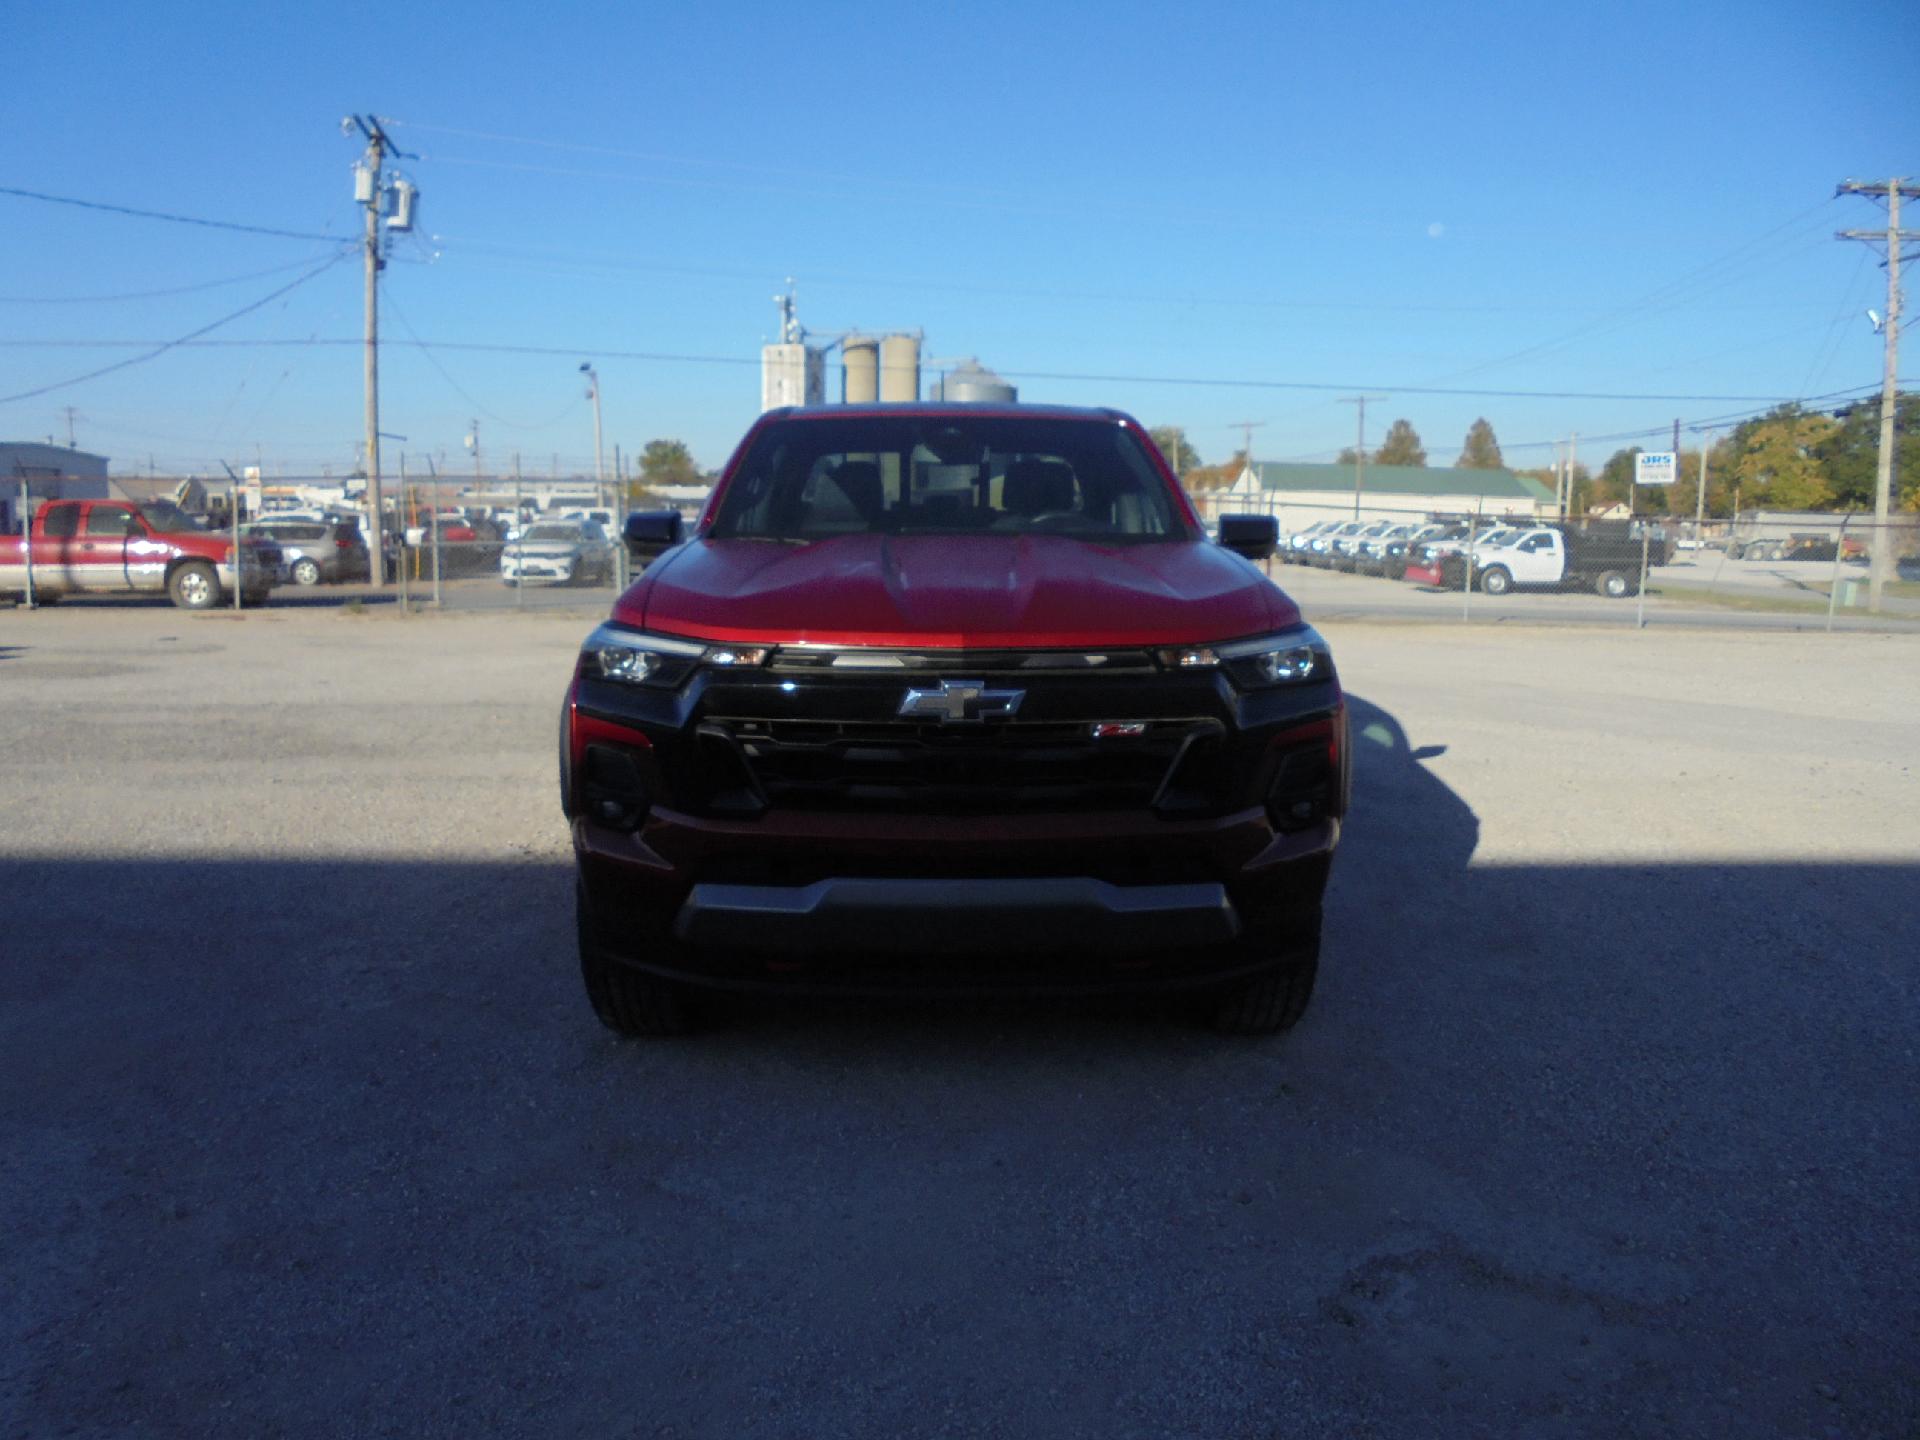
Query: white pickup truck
pixel 1549 556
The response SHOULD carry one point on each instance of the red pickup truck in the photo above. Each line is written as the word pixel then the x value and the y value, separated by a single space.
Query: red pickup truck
pixel 110 546
pixel 944 697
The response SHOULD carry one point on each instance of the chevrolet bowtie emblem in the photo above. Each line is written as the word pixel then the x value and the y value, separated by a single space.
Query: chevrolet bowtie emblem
pixel 961 702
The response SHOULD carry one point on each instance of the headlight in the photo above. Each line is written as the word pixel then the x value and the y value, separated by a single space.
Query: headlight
pixel 633 657
pixel 1294 658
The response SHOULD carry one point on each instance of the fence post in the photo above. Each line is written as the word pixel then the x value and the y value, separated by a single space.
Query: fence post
pixel 1646 540
pixel 26 536
pixel 1833 583
pixel 433 517
pixel 233 520
pixel 1466 569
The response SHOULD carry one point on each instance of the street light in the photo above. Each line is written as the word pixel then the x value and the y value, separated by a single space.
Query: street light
pixel 593 394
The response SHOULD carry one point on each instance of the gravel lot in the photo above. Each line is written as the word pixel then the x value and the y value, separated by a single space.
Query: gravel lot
pixel 1602 1122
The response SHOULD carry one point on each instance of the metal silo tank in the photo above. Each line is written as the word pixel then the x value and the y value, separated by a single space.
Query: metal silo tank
pixel 862 354
pixel 900 368
pixel 974 383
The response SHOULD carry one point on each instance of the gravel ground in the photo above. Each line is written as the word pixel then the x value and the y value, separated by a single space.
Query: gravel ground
pixel 1601 1124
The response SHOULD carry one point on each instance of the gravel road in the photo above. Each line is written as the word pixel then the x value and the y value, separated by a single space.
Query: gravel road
pixel 1602 1122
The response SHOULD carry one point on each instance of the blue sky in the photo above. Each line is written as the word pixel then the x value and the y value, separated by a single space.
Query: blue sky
pixel 1630 199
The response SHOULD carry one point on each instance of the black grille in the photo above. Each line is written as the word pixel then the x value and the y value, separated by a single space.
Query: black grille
pixel 842 765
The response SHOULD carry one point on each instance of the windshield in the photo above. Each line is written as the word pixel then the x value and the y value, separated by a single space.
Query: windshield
pixel 562 534
pixel 806 480
pixel 166 518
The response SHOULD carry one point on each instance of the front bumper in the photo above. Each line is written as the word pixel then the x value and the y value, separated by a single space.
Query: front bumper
pixel 956 917
pixel 782 829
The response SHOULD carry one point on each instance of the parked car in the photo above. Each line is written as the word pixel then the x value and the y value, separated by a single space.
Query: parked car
pixel 467 546
pixel 951 697
pixel 559 552
pixel 1350 551
pixel 314 552
pixel 1370 555
pixel 1323 549
pixel 1294 547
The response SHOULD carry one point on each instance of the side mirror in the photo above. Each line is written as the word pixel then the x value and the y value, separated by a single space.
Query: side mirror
pixel 648 532
pixel 1254 536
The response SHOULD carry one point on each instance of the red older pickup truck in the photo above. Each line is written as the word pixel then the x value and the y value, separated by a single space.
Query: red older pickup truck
pixel 110 546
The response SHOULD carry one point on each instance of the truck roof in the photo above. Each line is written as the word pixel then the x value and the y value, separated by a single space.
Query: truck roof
pixel 957 409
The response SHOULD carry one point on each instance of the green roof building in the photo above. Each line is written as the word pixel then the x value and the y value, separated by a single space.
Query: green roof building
pixel 1305 493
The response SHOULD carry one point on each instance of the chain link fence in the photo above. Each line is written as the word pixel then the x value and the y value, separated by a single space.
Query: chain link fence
pixel 1790 563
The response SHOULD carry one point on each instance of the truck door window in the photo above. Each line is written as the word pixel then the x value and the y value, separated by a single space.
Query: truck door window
pixel 109 520
pixel 62 522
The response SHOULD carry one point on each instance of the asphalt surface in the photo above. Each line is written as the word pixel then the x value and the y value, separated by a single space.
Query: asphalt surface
pixel 1601 1122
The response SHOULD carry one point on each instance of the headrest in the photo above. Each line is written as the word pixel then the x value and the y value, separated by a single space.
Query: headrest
pixel 1037 487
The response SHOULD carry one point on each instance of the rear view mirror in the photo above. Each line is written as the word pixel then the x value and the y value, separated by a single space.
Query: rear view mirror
pixel 648 532
pixel 1254 536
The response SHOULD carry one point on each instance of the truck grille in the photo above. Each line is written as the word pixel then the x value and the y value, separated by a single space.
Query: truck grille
pixel 753 764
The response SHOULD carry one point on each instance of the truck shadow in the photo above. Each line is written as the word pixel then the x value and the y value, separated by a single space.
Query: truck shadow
pixel 1544 1121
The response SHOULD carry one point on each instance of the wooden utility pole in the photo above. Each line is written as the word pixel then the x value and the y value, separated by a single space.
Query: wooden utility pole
pixel 1360 446
pixel 368 194
pixel 1893 237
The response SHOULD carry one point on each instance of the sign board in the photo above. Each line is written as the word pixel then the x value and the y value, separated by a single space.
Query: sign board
pixel 1656 467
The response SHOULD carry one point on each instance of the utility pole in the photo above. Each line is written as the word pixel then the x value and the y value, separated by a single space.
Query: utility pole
pixel 593 394
pixel 367 191
pixel 1700 504
pixel 1360 446
pixel 69 412
pixel 1246 429
pixel 473 444
pixel 1893 237
pixel 1573 449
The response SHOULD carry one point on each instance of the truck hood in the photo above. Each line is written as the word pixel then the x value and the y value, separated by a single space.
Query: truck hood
pixel 960 591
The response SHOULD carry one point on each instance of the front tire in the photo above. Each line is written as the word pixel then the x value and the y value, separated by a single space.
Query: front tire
pixel 305 572
pixel 629 1002
pixel 1270 1002
pixel 1496 581
pixel 194 586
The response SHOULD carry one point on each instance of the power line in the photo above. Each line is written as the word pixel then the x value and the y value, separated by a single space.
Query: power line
pixel 155 294
pixel 1667 295
pixel 1201 381
pixel 426 351
pixel 165 215
pixel 186 339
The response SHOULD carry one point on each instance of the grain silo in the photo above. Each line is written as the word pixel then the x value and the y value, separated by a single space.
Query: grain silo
pixel 862 355
pixel 900 368
pixel 972 382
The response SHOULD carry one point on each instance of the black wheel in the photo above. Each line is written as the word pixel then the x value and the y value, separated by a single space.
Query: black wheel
pixel 1496 581
pixel 1613 585
pixel 194 586
pixel 1270 1002
pixel 628 1001
pixel 305 572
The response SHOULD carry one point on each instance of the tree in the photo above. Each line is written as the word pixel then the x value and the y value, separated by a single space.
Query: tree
pixel 1614 484
pixel 1401 447
pixel 1851 455
pixel 1173 443
pixel 1350 456
pixel 668 462
pixel 1216 477
pixel 1776 459
pixel 1480 451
